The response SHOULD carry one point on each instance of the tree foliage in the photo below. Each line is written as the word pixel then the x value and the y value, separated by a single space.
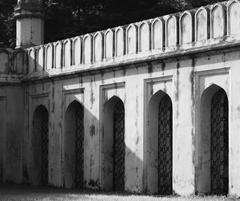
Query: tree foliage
pixel 68 18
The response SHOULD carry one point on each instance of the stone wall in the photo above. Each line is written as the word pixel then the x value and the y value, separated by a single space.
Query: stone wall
pixel 186 56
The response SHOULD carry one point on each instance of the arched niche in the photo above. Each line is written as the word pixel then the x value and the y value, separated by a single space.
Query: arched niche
pixel 31 61
pixel 49 57
pixel 132 39
pixel 58 55
pixel 74 146
pixel 144 37
pixel 233 10
pixel 67 53
pixel 87 49
pixel 186 28
pixel 98 47
pixel 114 145
pixel 19 68
pixel 4 58
pixel 77 51
pixel 119 42
pixel 201 23
pixel 217 21
pixel 159 146
pixel 157 34
pixel 40 59
pixel 171 32
pixel 40 139
pixel 109 44
pixel 212 142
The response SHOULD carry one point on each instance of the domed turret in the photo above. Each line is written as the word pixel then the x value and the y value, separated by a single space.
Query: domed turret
pixel 29 22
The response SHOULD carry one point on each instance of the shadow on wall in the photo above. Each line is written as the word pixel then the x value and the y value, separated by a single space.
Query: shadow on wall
pixel 83 162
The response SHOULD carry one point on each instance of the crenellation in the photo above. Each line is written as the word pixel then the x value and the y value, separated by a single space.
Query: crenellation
pixel 181 31
pixel 202 29
pixel 48 56
pixel 87 49
pixel 186 28
pixel 172 35
pixel 217 21
pixel 58 55
pixel 144 36
pixel 77 51
pixel 108 44
pixel 157 34
pixel 67 52
pixel 119 41
pixel 233 13
pixel 131 39
pixel 98 47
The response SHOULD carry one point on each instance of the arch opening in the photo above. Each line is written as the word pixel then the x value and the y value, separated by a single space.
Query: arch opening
pixel 114 145
pixel 74 146
pixel 40 141
pixel 213 142
pixel 159 145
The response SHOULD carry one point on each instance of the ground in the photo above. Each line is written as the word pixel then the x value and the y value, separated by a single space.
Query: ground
pixel 25 193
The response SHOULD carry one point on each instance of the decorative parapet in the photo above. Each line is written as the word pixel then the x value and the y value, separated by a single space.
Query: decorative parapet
pixel 192 29
pixel 12 66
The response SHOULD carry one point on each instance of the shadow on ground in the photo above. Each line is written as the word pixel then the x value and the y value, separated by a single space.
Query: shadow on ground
pixel 27 193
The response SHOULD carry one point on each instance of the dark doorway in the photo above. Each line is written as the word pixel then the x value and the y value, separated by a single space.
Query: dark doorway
pixel 74 146
pixel 165 146
pixel 40 144
pixel 219 143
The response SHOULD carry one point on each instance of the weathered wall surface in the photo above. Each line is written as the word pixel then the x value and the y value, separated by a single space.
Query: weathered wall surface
pixel 12 115
pixel 183 79
pixel 11 133
pixel 186 56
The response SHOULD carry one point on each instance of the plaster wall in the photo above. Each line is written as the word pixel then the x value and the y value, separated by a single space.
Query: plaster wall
pixel 184 80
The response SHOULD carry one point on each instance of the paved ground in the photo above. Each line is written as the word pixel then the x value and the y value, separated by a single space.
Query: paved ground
pixel 24 193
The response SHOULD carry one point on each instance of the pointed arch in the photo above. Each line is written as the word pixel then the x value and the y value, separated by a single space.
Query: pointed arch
pixel 157 34
pixel 201 24
pixel 158 149
pixel 98 47
pixel 171 32
pixel 213 142
pixel 40 139
pixel 108 39
pixel 186 28
pixel 74 145
pixel 58 54
pixel 233 13
pixel 217 21
pixel 144 37
pixel 131 42
pixel 114 145
pixel 119 42
pixel 67 53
